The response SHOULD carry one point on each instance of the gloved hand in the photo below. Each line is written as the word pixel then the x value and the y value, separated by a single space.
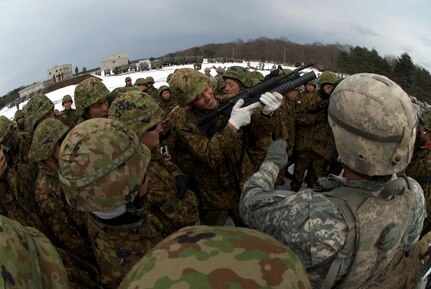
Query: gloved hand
pixel 183 183
pixel 271 101
pixel 277 153
pixel 241 116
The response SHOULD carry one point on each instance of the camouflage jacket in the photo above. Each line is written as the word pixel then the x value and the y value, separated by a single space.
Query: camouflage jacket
pixel 307 221
pixel 154 92
pixel 167 106
pixel 69 117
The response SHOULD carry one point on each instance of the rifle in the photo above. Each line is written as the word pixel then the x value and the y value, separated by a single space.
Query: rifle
pixel 276 81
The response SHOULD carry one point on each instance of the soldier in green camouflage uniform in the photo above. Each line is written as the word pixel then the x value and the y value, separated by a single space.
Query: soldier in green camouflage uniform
pixel 28 259
pixel 218 257
pixel 168 196
pixel 347 232
pixel 217 159
pixel 91 99
pixel 68 116
pixel 166 102
pixel 38 108
pixel 314 145
pixel 16 189
pixel 19 118
pixel 141 84
pixel 102 167
pixel 151 90
pixel 128 81
pixel 420 166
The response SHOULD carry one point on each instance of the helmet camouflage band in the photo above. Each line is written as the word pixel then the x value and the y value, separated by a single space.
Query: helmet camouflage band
pixel 139 111
pixel 327 77
pixel 218 257
pixel 88 92
pixel 240 74
pixel 66 98
pixel 36 108
pixel 18 114
pixel 45 138
pixel 102 165
pixel 426 118
pixel 374 124
pixel 5 127
pixel 186 85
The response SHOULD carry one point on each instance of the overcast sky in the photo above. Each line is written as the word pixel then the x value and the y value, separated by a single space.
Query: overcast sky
pixel 36 35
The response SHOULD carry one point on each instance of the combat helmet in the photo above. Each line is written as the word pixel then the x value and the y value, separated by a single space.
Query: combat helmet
pixel 29 260
pixel 186 85
pixel 425 119
pixel 137 110
pixel 373 123
pixel 66 98
pixel 140 81
pixel 36 109
pixel 327 77
pixel 117 92
pixel 5 127
pixel 18 114
pixel 218 257
pixel 127 79
pixel 102 165
pixel 45 137
pixel 88 92
pixel 240 74
pixel 150 79
pixel 163 88
pixel 256 76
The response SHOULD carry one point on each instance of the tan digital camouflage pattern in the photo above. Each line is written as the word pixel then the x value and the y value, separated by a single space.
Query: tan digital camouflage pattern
pixel 374 124
pixel 28 259
pixel 186 85
pixel 102 165
pixel 88 92
pixel 36 109
pixel 218 257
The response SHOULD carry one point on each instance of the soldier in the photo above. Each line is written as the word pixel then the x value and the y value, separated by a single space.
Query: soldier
pixel 68 116
pixel 151 90
pixel 217 159
pixel 349 228
pixel 65 226
pixel 314 146
pixel 20 120
pixel 141 84
pixel 231 258
pixel 218 81
pixel 207 71
pixel 103 166
pixel 166 103
pixel 91 97
pixel 170 196
pixel 236 78
pixel 38 108
pixel 128 81
pixel 310 86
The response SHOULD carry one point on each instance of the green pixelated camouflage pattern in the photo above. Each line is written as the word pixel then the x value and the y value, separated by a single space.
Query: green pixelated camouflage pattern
pixel 137 110
pixel 102 165
pixel 18 114
pixel 28 259
pixel 66 98
pixel 88 92
pixel 45 138
pixel 36 108
pixel 186 85
pixel 240 74
pixel 327 77
pixel 5 127
pixel 374 124
pixel 218 257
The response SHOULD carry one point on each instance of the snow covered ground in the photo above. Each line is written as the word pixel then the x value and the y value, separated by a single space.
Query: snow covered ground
pixel 115 81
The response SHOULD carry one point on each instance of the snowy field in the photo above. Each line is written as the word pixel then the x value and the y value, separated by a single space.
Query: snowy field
pixel 115 81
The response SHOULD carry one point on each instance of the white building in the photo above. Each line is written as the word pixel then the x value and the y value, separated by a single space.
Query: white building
pixel 60 72
pixel 115 60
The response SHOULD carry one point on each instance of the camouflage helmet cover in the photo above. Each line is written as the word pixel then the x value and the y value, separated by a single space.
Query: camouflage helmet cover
pixel 426 118
pixel 5 127
pixel 141 81
pixel 28 259
pixel 186 85
pixel 88 92
pixel 117 92
pixel 45 138
pixel 374 124
pixel 102 165
pixel 327 77
pixel 18 114
pixel 163 88
pixel 150 79
pixel 127 79
pixel 67 97
pixel 137 110
pixel 36 108
pixel 218 257
pixel 240 74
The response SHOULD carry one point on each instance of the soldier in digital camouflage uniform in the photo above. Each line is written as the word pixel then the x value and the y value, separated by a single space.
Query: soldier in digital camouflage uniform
pixel 91 99
pixel 19 118
pixel 314 145
pixel 65 226
pixel 420 166
pixel 166 102
pixel 218 257
pixel 38 108
pixel 217 159
pixel 169 196
pixel 349 228
pixel 16 189
pixel 128 81
pixel 68 116
pixel 151 90
pixel 141 84
pixel 28 259
pixel 102 167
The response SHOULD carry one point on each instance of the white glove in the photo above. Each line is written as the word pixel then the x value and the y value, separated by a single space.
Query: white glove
pixel 271 101
pixel 241 116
